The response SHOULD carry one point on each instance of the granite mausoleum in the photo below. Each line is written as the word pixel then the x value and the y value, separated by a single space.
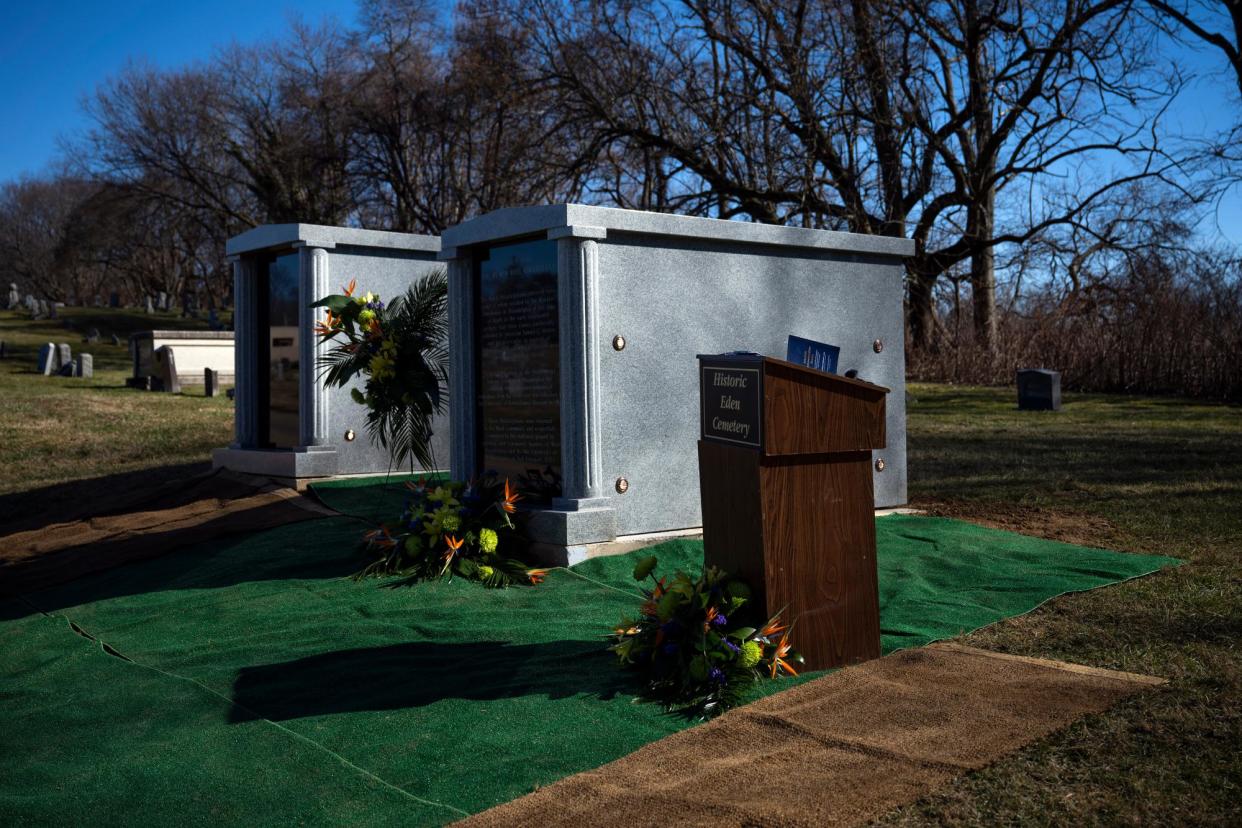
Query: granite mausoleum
pixel 288 423
pixel 573 337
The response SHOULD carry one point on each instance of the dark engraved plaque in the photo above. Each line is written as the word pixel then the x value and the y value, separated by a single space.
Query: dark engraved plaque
pixel 730 396
pixel 278 325
pixel 519 390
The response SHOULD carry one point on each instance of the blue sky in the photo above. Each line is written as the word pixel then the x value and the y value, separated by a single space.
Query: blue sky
pixel 53 53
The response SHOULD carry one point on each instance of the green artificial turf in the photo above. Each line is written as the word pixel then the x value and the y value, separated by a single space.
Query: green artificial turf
pixel 264 687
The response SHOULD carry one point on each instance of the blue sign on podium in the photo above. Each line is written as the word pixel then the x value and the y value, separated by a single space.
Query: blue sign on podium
pixel 818 355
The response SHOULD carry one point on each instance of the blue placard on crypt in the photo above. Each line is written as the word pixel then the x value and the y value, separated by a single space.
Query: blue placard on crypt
pixel 818 355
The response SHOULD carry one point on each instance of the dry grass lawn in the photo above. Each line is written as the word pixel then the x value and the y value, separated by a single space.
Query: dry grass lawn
pixel 1128 473
pixel 56 429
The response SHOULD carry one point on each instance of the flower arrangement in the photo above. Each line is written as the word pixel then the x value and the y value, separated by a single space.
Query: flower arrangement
pixel 399 348
pixel 449 529
pixel 692 646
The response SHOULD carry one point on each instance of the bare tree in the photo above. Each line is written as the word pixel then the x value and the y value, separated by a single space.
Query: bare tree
pixel 451 122
pixel 35 218
pixel 889 117
pixel 1216 23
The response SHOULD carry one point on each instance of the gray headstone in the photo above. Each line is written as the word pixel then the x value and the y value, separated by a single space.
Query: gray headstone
pixel 211 382
pixel 150 306
pixel 47 359
pixel 64 355
pixel 1039 389
pixel 166 369
pixel 92 335
pixel 116 340
pixel 14 298
pixel 84 366
pixel 161 301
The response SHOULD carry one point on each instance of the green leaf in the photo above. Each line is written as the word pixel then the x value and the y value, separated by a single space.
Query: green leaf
pixel 335 302
pixel 644 567
pixel 742 633
pixel 698 669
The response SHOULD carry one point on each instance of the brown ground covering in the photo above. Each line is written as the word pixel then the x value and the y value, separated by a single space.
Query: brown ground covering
pixel 119 525
pixel 839 750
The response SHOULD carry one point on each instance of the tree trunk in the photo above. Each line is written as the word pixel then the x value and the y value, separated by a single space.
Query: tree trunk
pixel 983 270
pixel 921 310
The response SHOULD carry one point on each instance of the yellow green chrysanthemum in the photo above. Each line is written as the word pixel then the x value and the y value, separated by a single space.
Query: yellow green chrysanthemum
pixel 382 367
pixel 488 540
pixel 750 655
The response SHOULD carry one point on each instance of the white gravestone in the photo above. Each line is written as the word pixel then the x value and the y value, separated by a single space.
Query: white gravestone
pixel 47 359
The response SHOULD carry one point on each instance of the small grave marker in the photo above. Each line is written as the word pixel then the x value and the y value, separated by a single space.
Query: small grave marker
pixel 211 382
pixel 84 366
pixel 1039 389
pixel 47 359
pixel 166 370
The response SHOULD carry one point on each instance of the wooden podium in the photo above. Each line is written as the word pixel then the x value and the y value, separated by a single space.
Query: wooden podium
pixel 785 476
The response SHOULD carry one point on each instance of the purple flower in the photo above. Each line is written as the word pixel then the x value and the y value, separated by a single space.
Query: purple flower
pixel 720 620
pixel 731 645
pixel 717 675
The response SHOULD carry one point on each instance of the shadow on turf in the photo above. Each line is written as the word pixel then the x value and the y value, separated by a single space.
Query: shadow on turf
pixel 400 676
pixel 96 496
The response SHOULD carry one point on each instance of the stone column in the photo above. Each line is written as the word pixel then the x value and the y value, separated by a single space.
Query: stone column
pixel 245 353
pixel 578 298
pixel 313 395
pixel 463 454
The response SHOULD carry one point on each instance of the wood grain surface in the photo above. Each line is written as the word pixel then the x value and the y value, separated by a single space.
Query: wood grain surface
pixel 796 518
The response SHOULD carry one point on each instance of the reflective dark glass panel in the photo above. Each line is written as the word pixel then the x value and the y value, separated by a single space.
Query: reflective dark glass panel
pixel 519 393
pixel 281 329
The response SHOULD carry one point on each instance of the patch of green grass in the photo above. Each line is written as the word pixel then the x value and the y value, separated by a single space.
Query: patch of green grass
pixel 1128 473
pixel 58 429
